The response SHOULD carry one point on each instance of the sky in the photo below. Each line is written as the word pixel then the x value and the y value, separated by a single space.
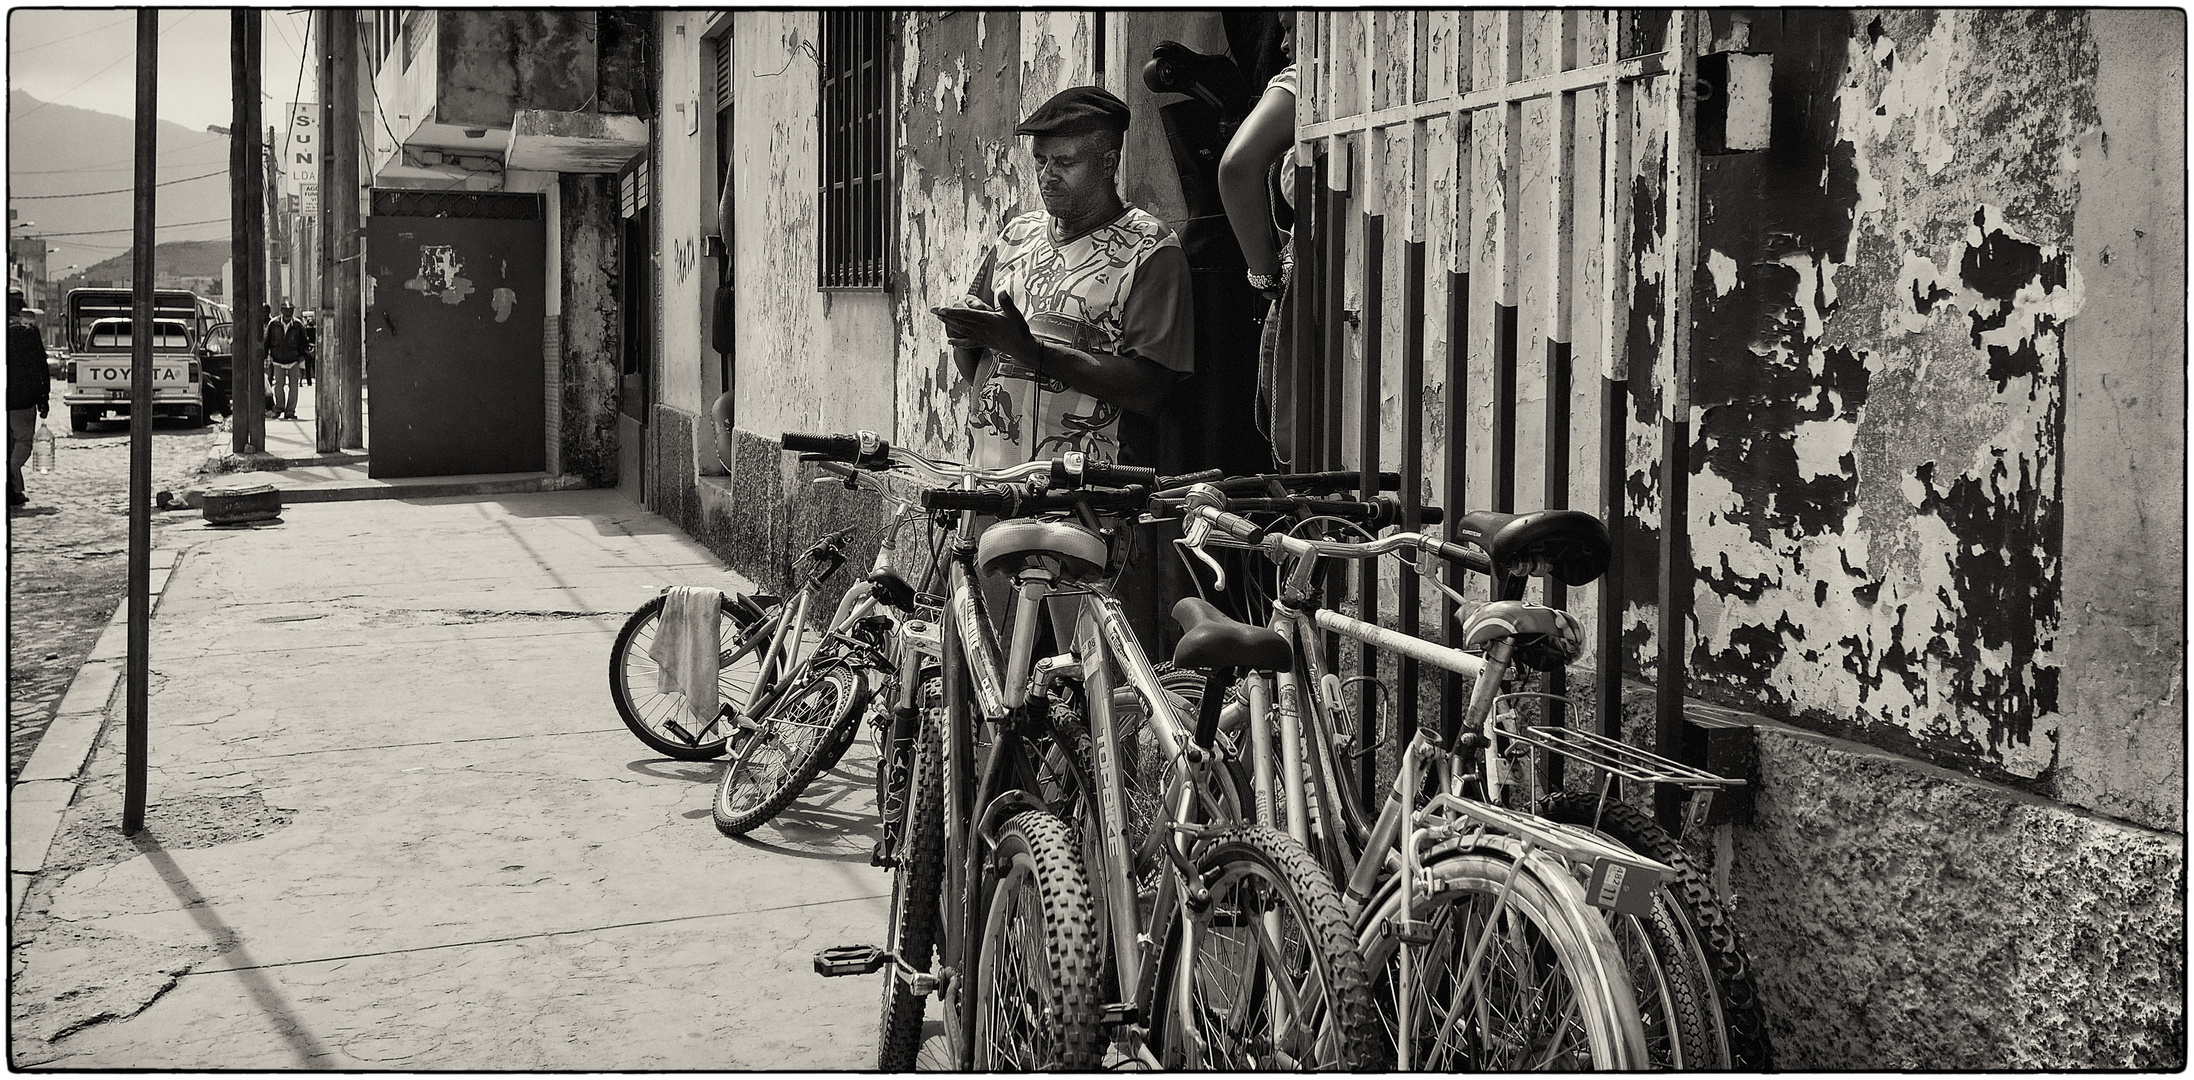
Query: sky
pixel 84 57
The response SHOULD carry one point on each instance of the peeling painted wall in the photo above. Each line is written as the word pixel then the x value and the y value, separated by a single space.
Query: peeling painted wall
pixel 1876 508
pixel 961 177
pixel 808 360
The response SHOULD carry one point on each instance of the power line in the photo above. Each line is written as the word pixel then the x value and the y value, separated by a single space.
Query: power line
pixel 373 85
pixel 78 34
pixel 110 232
pixel 116 191
pixel 131 54
pixel 304 56
pixel 118 165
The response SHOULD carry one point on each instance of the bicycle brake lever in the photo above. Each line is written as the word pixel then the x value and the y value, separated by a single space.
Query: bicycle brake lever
pixel 1194 542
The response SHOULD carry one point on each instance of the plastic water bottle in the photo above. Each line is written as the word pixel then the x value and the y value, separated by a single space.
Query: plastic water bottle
pixel 41 449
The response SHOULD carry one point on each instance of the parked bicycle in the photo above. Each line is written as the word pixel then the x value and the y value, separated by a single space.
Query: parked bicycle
pixel 789 703
pixel 1654 979
pixel 1020 880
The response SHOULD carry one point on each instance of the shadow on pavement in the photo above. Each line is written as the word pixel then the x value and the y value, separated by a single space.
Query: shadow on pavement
pixel 310 1051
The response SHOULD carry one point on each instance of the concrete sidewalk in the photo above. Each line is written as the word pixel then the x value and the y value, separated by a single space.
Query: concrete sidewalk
pixel 395 823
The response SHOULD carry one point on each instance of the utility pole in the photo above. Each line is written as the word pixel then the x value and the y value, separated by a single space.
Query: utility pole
pixel 136 726
pixel 340 385
pixel 247 203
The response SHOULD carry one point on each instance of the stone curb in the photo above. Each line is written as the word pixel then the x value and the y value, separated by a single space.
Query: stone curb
pixel 47 786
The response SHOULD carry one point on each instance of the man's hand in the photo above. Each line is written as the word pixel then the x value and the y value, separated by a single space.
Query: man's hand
pixel 1000 330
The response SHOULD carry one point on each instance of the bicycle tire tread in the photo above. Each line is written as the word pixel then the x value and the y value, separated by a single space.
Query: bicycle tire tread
pixel 1349 979
pixel 1750 1048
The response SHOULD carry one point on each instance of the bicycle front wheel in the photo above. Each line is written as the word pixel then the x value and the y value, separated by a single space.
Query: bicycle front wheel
pixel 1266 975
pixel 1548 990
pixel 660 718
pixel 800 737
pixel 1037 1005
pixel 917 883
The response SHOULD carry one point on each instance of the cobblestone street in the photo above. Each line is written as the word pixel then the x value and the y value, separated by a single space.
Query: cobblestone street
pixel 67 557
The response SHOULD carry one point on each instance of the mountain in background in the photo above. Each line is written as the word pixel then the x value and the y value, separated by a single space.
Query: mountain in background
pixel 180 259
pixel 60 149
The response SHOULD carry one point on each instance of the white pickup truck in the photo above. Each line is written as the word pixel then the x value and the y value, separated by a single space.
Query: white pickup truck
pixel 100 351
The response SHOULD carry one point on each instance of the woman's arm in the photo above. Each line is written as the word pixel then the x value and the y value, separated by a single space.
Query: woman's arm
pixel 1262 138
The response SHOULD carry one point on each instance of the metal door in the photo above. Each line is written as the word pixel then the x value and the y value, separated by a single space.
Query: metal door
pixel 454 300
pixel 1512 350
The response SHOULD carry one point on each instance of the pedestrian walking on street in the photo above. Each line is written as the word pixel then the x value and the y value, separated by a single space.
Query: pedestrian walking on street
pixel 30 389
pixel 286 344
pixel 312 344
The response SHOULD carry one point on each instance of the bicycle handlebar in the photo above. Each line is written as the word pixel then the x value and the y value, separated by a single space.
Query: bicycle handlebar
pixel 1207 507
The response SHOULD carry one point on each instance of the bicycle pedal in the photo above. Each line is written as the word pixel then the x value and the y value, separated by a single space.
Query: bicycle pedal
pixel 850 960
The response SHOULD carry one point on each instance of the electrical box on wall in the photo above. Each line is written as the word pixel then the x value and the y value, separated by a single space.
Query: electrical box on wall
pixel 1736 110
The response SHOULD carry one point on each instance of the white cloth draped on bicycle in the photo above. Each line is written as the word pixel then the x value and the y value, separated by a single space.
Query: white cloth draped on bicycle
pixel 685 647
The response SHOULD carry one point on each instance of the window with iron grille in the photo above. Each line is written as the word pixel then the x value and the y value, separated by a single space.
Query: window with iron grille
pixel 854 62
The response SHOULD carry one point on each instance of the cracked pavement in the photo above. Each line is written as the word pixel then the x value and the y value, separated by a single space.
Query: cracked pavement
pixel 394 822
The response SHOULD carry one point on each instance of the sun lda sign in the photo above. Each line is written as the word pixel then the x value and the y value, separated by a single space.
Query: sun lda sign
pixel 301 154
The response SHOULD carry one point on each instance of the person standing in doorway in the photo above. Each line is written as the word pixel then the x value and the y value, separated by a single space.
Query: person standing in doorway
pixel 30 390
pixel 286 344
pixel 1080 317
pixel 1080 324
pixel 1257 184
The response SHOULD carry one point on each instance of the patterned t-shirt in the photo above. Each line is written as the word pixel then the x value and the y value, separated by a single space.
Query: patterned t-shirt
pixel 1121 289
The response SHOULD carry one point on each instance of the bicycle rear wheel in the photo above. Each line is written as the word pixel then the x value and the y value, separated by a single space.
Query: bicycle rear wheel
pixel 1549 991
pixel 1267 975
pixel 1697 947
pixel 1036 1003
pixel 802 735
pixel 660 718
pixel 916 885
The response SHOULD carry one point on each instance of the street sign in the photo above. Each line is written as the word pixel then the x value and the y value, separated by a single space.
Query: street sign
pixel 301 150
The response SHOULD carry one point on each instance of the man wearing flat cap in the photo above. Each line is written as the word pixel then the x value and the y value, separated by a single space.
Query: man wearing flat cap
pixel 1080 317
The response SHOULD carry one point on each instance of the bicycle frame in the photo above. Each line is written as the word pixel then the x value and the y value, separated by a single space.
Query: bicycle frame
pixel 1398 839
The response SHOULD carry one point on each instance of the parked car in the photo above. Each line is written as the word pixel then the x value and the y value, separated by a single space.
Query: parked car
pixel 217 360
pixel 99 324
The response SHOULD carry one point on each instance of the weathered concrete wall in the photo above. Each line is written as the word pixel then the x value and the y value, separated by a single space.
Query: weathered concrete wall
pixel 496 62
pixel 808 360
pixel 1880 368
pixel 1900 916
pixel 683 209
pixel 961 177
pixel 2122 644
pixel 591 327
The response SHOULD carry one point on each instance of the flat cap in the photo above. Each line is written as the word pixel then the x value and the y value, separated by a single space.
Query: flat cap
pixel 1075 110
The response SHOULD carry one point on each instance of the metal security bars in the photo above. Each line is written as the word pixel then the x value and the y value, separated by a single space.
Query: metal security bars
pixel 1493 293
pixel 855 129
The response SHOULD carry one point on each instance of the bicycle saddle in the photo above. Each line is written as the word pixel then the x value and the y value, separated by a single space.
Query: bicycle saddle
pixel 892 589
pixel 1008 545
pixel 1211 640
pixel 1572 544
